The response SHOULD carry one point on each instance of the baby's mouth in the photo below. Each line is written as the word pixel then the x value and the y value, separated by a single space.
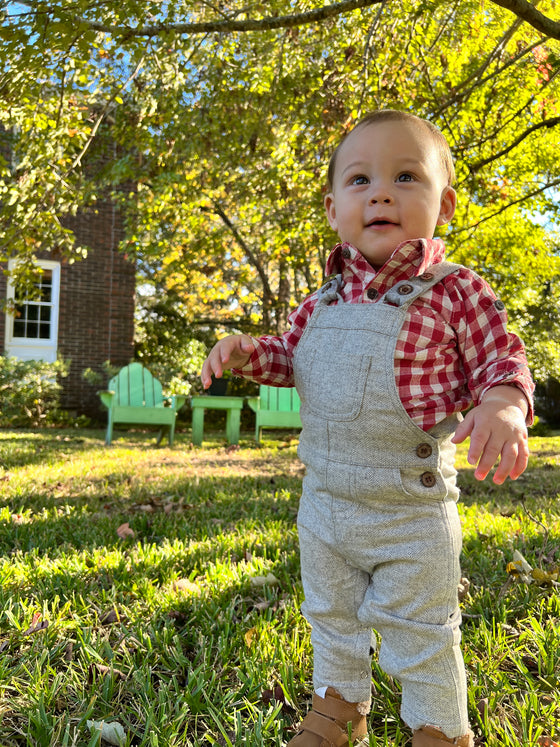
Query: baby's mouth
pixel 380 223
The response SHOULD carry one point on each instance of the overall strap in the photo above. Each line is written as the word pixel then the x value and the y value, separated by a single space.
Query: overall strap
pixel 406 291
pixel 330 291
pixel 403 293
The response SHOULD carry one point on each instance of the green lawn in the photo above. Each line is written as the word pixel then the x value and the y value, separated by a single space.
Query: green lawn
pixel 159 588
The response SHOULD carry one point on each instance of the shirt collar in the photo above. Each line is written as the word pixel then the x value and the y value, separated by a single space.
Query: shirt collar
pixel 409 259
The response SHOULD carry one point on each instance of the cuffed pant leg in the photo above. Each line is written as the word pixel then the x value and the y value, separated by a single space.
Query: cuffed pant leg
pixel 342 645
pixel 412 603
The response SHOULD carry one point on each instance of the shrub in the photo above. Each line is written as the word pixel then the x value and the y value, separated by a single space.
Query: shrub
pixel 29 390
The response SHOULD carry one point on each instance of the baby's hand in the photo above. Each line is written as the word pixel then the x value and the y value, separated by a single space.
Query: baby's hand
pixel 230 352
pixel 497 430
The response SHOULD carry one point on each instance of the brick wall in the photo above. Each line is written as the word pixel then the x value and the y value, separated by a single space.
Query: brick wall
pixel 96 321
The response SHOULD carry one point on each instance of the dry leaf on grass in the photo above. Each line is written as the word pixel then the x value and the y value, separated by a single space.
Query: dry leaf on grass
pixel 277 695
pixel 125 531
pixel 268 580
pixel 184 586
pixel 110 617
pixel 464 588
pixel 110 731
pixel 250 636
pixel 519 568
pixel 37 625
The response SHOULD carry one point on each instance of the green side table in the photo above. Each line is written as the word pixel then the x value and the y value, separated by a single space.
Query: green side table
pixel 233 407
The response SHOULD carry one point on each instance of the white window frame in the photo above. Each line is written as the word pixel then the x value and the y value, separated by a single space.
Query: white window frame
pixel 26 348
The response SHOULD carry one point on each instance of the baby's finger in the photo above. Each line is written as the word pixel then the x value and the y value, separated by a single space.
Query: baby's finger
pixel 486 458
pixel 508 461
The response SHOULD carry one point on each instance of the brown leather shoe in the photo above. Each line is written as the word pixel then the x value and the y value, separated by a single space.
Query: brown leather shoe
pixel 326 725
pixel 429 736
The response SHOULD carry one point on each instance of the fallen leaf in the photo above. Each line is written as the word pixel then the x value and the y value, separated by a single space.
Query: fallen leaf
pixel 463 590
pixel 547 742
pixel 69 651
pixel 261 606
pixel 268 580
pixel 531 663
pixel 545 577
pixel 519 568
pixel 185 586
pixel 277 694
pixel 250 636
pixel 510 630
pixel 482 708
pixel 147 508
pixel 110 731
pixel 37 625
pixel 125 531
pixel 110 617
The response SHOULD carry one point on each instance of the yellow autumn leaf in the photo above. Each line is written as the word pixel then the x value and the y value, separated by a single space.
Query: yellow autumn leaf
pixel 250 636
pixel 544 577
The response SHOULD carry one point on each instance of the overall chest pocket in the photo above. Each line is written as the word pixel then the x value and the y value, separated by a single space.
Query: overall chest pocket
pixel 331 381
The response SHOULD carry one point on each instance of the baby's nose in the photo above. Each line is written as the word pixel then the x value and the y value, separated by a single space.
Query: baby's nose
pixel 381 196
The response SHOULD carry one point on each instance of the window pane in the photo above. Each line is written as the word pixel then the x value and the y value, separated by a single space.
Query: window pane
pixel 45 285
pixel 45 313
pixel 32 330
pixel 44 331
pixel 32 312
pixel 19 328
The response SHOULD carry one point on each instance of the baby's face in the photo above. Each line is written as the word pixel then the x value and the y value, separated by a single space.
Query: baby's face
pixel 389 186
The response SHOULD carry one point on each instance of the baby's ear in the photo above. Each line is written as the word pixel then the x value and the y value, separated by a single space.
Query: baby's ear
pixel 447 207
pixel 330 210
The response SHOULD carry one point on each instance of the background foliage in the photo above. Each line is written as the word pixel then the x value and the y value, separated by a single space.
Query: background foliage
pixel 223 137
pixel 29 391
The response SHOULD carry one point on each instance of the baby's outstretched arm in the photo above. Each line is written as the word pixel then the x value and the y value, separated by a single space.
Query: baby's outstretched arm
pixel 230 352
pixel 498 431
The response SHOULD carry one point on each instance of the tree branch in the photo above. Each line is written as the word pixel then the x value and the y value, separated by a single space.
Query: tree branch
pixel 267 23
pixel 488 217
pixel 532 16
pixel 243 244
pixel 521 8
pixel 548 123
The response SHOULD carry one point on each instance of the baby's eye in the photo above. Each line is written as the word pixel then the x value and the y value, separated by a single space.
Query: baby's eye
pixel 406 177
pixel 358 180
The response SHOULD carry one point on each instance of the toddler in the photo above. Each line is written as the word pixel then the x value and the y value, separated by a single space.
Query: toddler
pixel 385 357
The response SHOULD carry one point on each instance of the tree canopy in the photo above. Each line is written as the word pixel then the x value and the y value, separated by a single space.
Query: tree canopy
pixel 222 116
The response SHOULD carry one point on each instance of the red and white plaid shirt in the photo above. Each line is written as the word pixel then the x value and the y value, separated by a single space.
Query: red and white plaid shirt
pixel 453 345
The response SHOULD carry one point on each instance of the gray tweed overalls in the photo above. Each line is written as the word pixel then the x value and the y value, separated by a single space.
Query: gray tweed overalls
pixel 379 530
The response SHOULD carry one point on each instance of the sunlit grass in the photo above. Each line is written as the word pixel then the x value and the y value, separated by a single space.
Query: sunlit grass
pixel 169 629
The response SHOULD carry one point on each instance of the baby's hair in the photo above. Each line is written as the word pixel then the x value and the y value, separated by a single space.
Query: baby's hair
pixel 394 115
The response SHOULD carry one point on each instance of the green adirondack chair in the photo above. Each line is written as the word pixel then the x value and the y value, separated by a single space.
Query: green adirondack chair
pixel 275 407
pixel 135 397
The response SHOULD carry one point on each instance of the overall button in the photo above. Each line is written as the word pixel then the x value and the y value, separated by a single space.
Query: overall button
pixel 428 479
pixel 426 276
pixel 424 451
pixel 405 290
pixel 346 253
pixel 372 293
